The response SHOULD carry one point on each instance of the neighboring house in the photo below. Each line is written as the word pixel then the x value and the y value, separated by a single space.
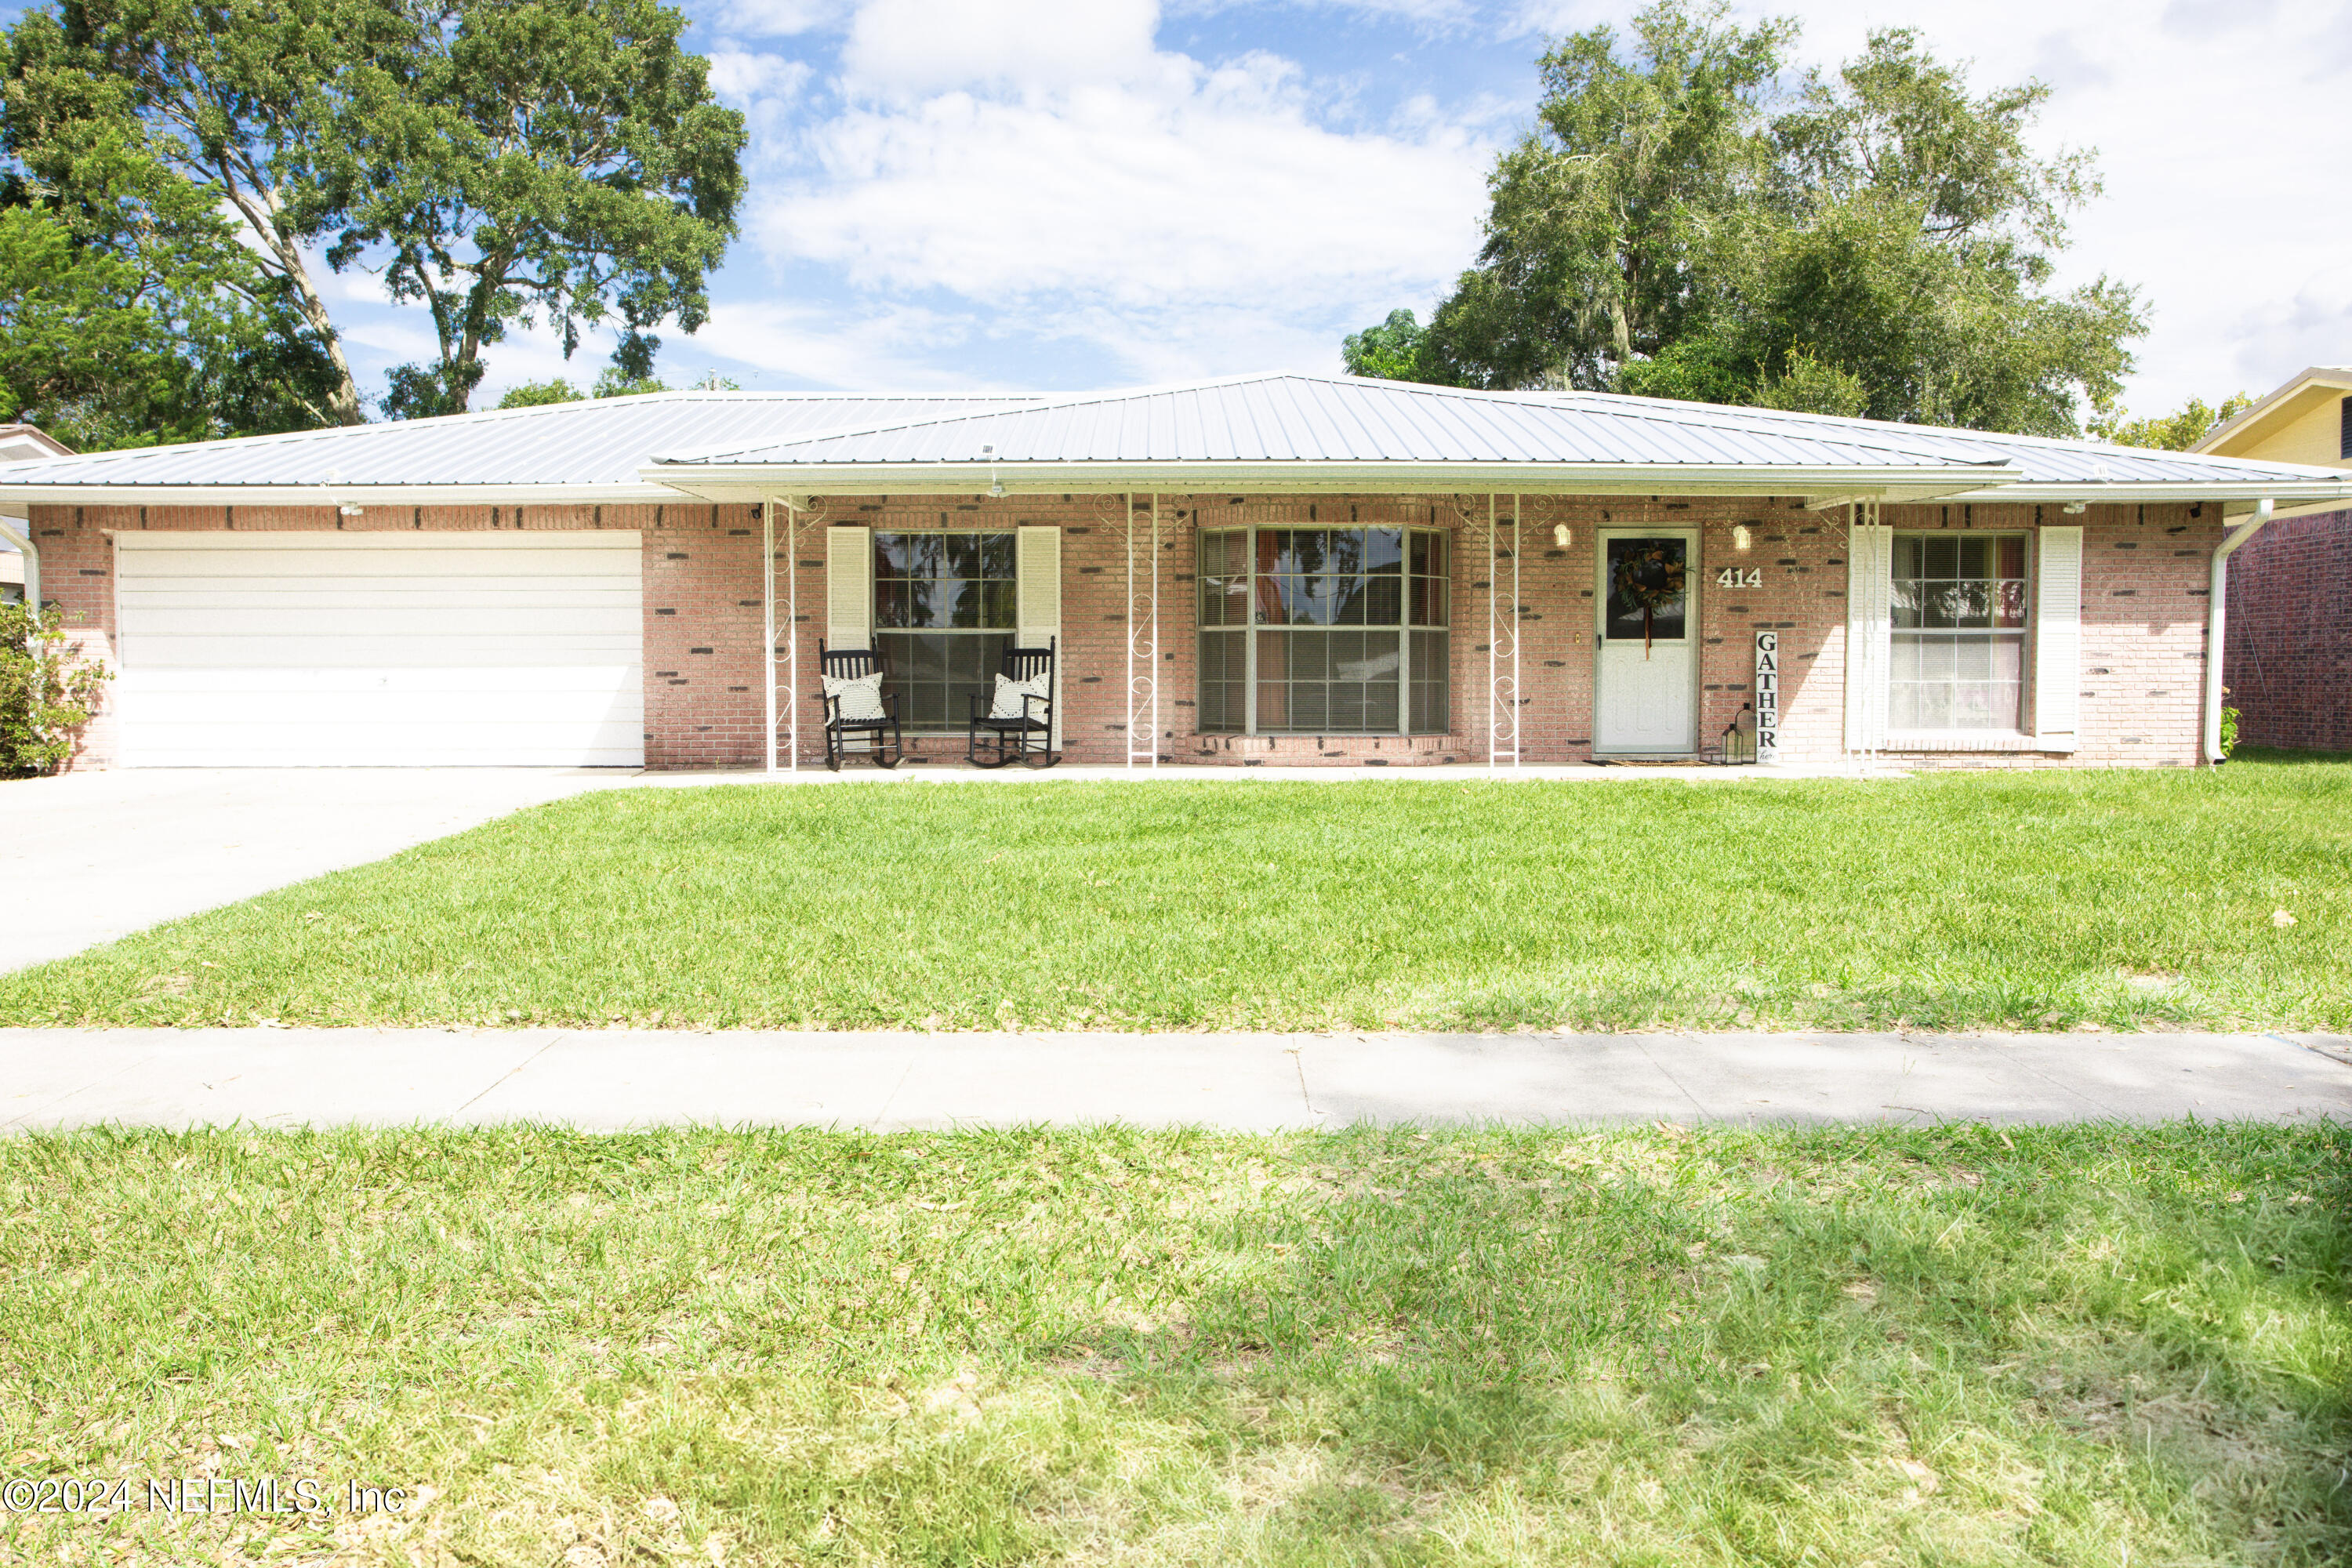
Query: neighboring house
pixel 1260 569
pixel 2288 639
pixel 19 443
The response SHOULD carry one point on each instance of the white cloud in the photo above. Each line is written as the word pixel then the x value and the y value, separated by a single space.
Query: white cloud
pixel 782 18
pixel 1435 13
pixel 885 347
pixel 901 46
pixel 743 74
pixel 1181 216
pixel 2276 338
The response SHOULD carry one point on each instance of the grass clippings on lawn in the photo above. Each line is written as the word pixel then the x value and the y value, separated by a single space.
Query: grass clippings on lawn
pixel 1830 1347
pixel 2128 899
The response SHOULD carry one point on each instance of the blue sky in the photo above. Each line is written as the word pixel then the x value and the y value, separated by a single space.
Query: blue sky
pixel 1066 194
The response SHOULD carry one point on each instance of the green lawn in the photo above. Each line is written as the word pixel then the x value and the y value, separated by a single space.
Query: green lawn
pixel 2131 899
pixel 1831 1348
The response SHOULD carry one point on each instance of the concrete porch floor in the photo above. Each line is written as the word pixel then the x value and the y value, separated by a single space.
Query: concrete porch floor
pixel 1438 772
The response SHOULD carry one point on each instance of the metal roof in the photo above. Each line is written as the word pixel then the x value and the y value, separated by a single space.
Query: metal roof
pixel 595 446
pixel 1270 431
pixel 2039 459
pixel 1337 419
pixel 1339 430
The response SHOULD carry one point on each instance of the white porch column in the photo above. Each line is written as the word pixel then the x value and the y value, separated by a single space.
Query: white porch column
pixel 768 627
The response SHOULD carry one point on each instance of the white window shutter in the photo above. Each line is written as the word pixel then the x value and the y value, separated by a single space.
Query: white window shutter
pixel 849 587
pixel 1038 588
pixel 2058 638
pixel 1869 594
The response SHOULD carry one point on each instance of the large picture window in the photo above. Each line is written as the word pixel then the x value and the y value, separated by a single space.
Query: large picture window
pixel 1323 631
pixel 943 616
pixel 1958 632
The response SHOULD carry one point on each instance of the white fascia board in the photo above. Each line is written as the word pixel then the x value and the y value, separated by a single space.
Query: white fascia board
pixel 97 494
pixel 2191 491
pixel 732 482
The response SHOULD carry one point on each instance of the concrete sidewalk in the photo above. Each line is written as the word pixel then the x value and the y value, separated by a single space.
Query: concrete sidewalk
pixel 610 1080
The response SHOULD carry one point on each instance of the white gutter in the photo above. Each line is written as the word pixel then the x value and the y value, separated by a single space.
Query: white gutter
pixel 2217 615
pixel 24 541
pixel 2187 491
pixel 108 492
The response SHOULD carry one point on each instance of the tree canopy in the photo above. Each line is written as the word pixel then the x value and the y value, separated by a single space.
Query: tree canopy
pixel 500 161
pixel 2174 432
pixel 131 309
pixel 1875 241
pixel 612 382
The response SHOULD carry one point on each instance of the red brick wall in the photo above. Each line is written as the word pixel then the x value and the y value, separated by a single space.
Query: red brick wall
pixel 2289 658
pixel 2144 608
pixel 2143 569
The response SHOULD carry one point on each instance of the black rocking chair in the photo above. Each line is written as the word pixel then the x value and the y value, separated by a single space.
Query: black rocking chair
pixel 883 740
pixel 996 742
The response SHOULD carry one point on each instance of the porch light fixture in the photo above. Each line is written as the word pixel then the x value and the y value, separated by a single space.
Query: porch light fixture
pixel 1740 537
pixel 1560 536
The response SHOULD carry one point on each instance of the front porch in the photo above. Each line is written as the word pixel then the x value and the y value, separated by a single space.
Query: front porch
pixel 1307 632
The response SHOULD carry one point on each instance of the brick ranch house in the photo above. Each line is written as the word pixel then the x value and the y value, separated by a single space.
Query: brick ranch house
pixel 1279 569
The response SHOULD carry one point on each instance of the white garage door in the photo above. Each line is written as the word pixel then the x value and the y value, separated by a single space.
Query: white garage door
pixel 379 649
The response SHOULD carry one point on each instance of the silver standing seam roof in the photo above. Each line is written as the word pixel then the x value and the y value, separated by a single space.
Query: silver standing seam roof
pixel 1272 431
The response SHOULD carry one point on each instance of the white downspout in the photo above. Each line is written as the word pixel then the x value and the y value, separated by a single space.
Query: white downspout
pixel 23 541
pixel 2217 615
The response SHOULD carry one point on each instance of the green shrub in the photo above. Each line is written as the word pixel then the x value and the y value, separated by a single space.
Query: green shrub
pixel 49 689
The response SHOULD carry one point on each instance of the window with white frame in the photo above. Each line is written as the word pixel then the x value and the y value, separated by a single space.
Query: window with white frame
pixel 1958 632
pixel 1323 631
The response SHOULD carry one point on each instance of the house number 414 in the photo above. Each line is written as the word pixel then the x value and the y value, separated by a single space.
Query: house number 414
pixel 1734 577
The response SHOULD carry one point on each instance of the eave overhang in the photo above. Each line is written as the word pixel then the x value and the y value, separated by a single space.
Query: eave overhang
pixel 621 494
pixel 2105 492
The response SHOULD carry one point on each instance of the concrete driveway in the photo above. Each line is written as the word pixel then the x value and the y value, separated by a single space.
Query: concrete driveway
pixel 87 857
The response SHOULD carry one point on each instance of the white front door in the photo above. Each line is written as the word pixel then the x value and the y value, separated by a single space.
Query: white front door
pixel 1646 652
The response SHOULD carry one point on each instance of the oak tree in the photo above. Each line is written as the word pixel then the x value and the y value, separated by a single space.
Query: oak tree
pixel 500 161
pixel 1877 241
